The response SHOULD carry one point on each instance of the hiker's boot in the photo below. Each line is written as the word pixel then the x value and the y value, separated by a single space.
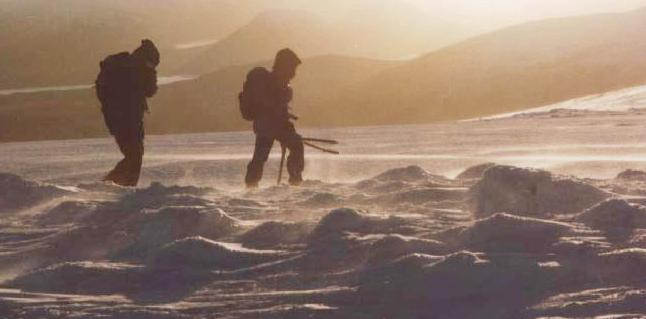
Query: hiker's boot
pixel 295 180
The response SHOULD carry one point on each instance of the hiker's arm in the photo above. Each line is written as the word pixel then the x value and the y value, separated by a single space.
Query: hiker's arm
pixel 149 82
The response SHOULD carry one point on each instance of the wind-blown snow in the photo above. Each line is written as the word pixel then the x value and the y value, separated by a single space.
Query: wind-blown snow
pixel 385 231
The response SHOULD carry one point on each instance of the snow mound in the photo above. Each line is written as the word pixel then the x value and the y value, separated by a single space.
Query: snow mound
pixel 388 187
pixel 424 195
pixel 392 247
pixel 625 265
pixel 103 187
pixel 340 221
pixel 17 193
pixel 323 200
pixel 409 288
pixel 530 192
pixel 407 174
pixel 475 172
pixel 68 212
pixel 632 175
pixel 614 214
pixel 154 229
pixel 245 203
pixel 603 303
pixel 158 195
pixel 511 233
pixel 276 233
pixel 81 278
pixel 580 247
pixel 199 252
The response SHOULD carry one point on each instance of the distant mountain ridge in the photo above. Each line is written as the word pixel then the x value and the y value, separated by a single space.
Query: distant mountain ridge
pixel 523 66
pixel 51 43
pixel 512 69
pixel 208 103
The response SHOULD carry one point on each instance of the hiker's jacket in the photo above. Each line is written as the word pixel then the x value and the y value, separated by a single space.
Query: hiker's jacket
pixel 272 115
pixel 123 92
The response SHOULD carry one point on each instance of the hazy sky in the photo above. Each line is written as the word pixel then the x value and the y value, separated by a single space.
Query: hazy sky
pixel 513 11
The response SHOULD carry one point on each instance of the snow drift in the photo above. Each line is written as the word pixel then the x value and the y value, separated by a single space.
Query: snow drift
pixel 17 193
pixel 614 215
pixel 530 192
pixel 509 233
pixel 199 252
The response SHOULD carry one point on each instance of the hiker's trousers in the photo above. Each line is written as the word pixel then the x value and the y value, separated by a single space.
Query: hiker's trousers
pixel 127 171
pixel 295 161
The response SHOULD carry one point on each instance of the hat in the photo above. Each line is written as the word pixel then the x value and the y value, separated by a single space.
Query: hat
pixel 148 51
pixel 287 57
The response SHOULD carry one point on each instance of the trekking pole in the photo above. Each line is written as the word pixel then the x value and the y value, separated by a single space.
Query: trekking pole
pixel 322 149
pixel 282 163
pixel 320 140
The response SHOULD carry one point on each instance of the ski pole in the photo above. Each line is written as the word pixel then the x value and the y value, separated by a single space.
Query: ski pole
pixel 325 150
pixel 282 163
pixel 320 140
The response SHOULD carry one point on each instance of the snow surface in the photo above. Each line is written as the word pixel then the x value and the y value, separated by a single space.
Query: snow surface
pixel 620 100
pixel 162 80
pixel 425 227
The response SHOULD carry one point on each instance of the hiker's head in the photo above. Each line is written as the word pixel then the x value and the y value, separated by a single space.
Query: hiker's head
pixel 147 53
pixel 285 65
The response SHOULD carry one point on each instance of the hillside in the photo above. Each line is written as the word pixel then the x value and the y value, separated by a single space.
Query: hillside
pixel 512 69
pixel 47 43
pixel 208 103
pixel 389 31
pixel 520 67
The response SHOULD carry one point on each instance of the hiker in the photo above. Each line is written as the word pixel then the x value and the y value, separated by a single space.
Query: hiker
pixel 265 101
pixel 122 86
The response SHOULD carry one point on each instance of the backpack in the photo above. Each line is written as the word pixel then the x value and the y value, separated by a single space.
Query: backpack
pixel 252 91
pixel 114 77
pixel 111 86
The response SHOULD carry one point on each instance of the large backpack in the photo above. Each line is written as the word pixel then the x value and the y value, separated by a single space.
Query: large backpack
pixel 114 77
pixel 253 91
pixel 112 85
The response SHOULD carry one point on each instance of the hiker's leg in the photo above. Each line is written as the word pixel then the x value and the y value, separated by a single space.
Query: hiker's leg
pixel 260 156
pixel 117 174
pixel 296 158
pixel 134 160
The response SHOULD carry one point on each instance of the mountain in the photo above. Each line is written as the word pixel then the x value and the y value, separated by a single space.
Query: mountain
pixel 54 43
pixel 512 69
pixel 304 32
pixel 48 43
pixel 386 30
pixel 208 103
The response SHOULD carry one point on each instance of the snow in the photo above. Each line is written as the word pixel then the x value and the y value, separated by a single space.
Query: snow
pixel 416 227
pixel 510 233
pixel 615 101
pixel 276 233
pixel 614 214
pixel 531 192
pixel 196 252
pixel 16 193
pixel 162 80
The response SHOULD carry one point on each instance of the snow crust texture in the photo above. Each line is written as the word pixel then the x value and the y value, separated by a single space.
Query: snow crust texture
pixel 495 242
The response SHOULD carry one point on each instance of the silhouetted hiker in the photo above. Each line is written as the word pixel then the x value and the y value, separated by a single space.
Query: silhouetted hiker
pixel 265 101
pixel 124 83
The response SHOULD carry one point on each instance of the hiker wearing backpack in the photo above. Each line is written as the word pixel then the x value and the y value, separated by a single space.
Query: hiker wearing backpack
pixel 265 101
pixel 122 86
